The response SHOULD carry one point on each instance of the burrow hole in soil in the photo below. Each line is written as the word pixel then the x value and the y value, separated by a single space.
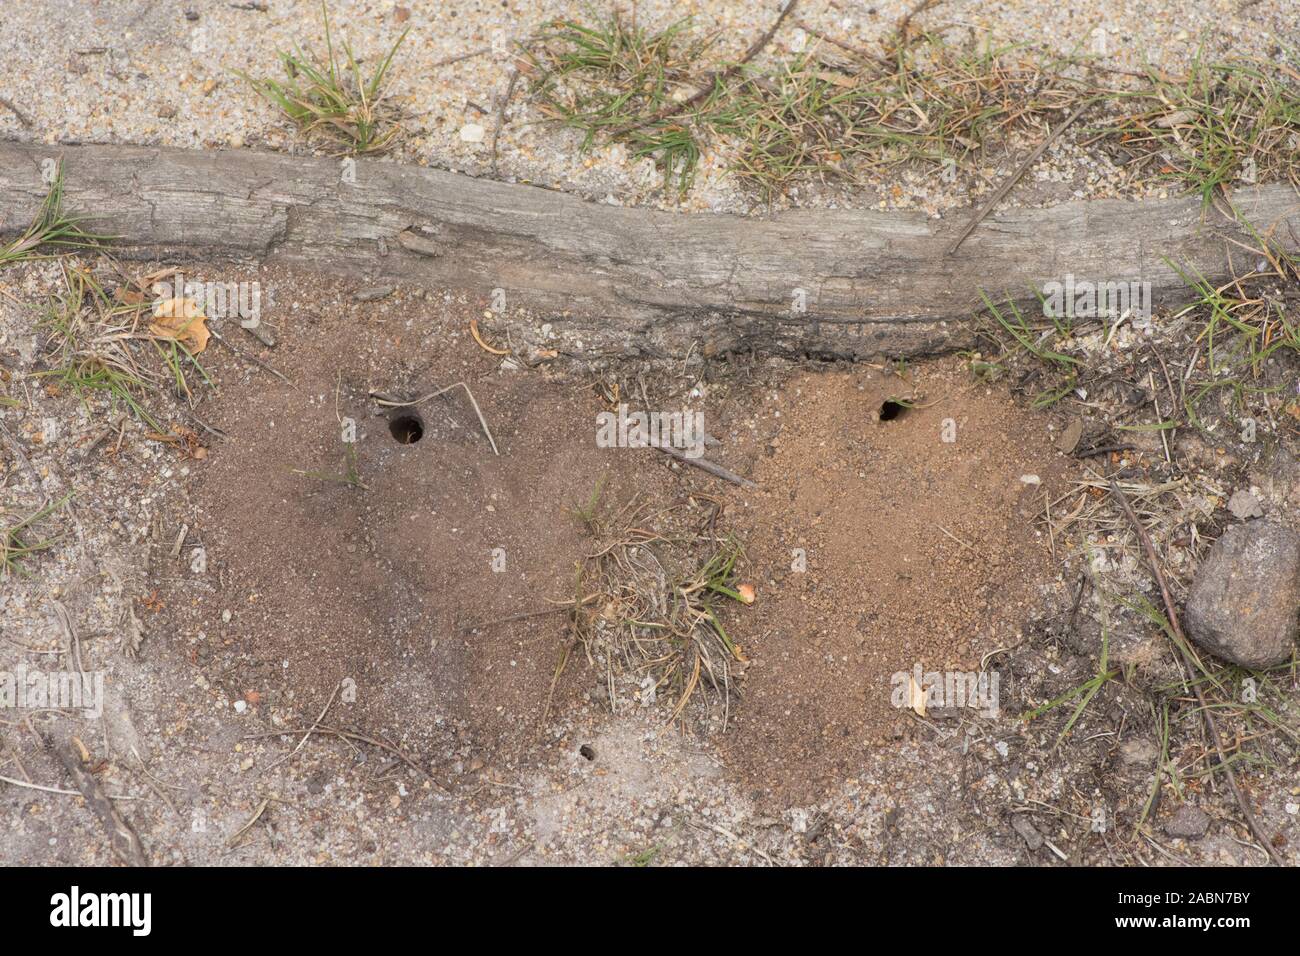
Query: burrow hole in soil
pixel 588 751
pixel 406 428
pixel 891 409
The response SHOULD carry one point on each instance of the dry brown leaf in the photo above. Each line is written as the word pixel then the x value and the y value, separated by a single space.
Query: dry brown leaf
pixel 182 320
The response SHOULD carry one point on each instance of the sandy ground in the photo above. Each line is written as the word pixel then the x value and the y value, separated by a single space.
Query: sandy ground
pixel 305 583
pixel 178 739
pixel 165 73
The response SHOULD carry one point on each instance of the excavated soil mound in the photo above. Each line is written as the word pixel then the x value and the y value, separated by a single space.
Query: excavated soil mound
pixel 321 568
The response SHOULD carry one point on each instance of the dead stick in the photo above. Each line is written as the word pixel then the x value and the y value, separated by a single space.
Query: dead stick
pixel 1185 659
pixel 842 44
pixel 311 729
pixel 345 734
pixel 22 117
pixel 525 615
pixel 381 399
pixel 121 835
pixel 501 116
pixel 249 358
pixel 461 56
pixel 1005 188
pixel 705 465
pixel 916 11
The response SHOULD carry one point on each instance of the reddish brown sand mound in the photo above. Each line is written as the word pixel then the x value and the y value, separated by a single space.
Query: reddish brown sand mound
pixel 918 550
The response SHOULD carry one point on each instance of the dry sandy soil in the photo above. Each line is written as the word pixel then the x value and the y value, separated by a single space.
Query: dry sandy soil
pixel 316 651
pixel 152 72
pixel 918 550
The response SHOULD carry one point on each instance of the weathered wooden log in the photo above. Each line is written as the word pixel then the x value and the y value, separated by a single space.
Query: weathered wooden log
pixel 612 281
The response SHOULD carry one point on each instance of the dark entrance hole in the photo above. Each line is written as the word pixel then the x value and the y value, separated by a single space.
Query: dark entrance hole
pixel 588 751
pixel 406 429
pixel 891 409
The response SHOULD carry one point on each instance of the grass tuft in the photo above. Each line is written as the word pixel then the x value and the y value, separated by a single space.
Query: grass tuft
pixel 1062 369
pixel 52 227
pixel 330 99
pixel 811 117
pixel 15 543
pixel 649 605
pixel 847 113
pixel 1223 124
pixel 101 343
pixel 614 80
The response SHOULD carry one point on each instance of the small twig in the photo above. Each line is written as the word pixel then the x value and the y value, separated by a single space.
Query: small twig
pixel 1100 450
pixel 103 435
pixel 461 56
pixel 1211 724
pixel 70 632
pixel 842 44
pixel 329 703
pixel 563 606
pixel 1015 177
pixel 1078 601
pixel 915 11
pixel 257 815
pixel 1173 396
pixel 704 464
pixel 955 538
pixel 501 115
pixel 122 837
pixel 248 357
pixel 18 453
pixel 22 117
pixel 27 785
pixel 347 735
pixel 515 857
pixel 180 540
pixel 1155 403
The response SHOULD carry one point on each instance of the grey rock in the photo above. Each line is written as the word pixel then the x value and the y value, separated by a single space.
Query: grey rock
pixel 372 293
pixel 1243 600
pixel 1028 832
pixel 1188 822
pixel 1245 505
pixel 1138 752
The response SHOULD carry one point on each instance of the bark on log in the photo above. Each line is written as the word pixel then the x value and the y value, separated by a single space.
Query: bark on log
pixel 620 282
